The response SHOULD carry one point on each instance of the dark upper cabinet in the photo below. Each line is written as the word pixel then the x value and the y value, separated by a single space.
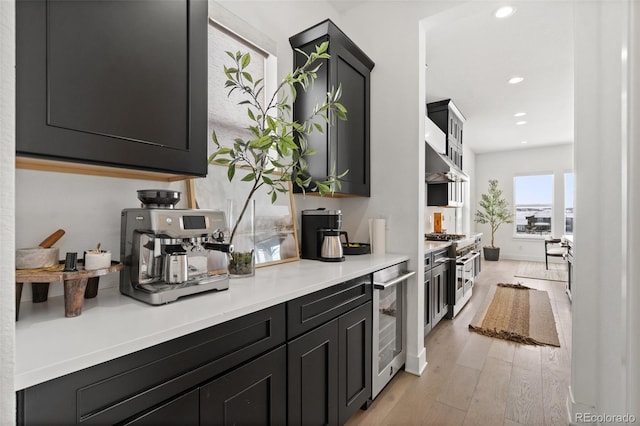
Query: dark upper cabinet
pixel 344 146
pixel 115 83
pixel 450 120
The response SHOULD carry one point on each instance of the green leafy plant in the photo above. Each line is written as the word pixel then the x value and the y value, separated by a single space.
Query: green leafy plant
pixel 495 209
pixel 275 153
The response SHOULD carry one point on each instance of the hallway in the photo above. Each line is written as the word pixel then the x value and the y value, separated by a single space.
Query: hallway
pixel 472 379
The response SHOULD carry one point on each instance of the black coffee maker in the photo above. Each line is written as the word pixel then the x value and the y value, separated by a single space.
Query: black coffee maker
pixel 316 226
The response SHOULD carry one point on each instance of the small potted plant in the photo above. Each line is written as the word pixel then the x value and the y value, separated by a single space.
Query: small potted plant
pixel 275 154
pixel 494 211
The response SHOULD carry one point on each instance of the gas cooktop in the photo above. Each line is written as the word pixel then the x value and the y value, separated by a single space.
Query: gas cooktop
pixel 441 236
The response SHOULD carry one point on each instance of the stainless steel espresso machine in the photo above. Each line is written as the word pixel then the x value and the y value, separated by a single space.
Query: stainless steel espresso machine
pixel 166 251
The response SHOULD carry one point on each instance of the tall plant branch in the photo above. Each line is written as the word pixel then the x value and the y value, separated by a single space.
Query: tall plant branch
pixel 274 141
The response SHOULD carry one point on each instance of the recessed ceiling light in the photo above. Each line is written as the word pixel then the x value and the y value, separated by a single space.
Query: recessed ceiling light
pixel 519 114
pixel 520 123
pixel 505 12
pixel 515 80
pixel 523 142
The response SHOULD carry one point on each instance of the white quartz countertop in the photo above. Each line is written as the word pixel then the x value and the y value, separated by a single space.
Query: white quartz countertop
pixel 48 345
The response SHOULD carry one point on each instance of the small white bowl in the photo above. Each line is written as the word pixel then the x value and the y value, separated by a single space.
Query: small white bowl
pixel 94 260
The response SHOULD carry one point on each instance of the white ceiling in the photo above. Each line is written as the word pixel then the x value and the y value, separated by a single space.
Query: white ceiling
pixel 470 58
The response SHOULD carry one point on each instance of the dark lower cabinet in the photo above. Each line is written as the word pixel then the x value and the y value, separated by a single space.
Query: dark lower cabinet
pixel 134 386
pixel 330 370
pixel 313 377
pixel 440 276
pixel 428 314
pixel 252 370
pixel 253 394
pixel 437 281
pixel 354 360
pixel 182 410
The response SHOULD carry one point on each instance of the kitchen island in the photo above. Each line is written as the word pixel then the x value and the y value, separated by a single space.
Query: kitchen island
pixel 48 345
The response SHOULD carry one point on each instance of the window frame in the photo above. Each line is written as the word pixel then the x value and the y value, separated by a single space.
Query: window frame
pixel 564 202
pixel 532 236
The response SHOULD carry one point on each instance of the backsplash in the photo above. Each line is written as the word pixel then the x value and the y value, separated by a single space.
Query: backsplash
pixel 452 219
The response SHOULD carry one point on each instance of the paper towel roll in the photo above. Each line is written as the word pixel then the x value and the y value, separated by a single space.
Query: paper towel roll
pixel 377 235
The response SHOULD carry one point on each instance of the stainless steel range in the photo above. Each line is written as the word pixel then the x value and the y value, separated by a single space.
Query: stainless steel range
pixel 465 252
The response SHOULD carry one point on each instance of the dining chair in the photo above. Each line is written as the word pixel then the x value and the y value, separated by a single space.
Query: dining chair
pixel 553 247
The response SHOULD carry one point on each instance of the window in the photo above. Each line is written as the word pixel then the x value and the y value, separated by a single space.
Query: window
pixel 533 204
pixel 226 117
pixel 568 203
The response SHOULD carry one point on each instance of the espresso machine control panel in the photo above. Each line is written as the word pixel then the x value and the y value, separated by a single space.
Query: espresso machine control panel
pixel 170 253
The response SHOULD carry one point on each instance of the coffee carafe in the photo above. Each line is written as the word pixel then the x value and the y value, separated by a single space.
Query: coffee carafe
pixel 330 245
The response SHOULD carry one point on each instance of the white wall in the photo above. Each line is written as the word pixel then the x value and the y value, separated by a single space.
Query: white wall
pixel 605 351
pixel 556 160
pixel 7 200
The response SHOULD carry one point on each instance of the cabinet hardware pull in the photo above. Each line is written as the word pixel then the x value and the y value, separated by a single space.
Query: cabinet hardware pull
pixel 394 281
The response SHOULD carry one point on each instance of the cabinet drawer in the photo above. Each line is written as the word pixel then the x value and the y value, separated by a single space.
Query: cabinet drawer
pixel 440 257
pixel 312 310
pixel 118 389
pixel 428 260
pixel 182 410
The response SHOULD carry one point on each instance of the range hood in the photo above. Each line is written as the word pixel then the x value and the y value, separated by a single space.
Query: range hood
pixel 440 169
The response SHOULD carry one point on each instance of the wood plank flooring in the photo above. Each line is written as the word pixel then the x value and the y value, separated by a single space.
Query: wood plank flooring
pixel 472 379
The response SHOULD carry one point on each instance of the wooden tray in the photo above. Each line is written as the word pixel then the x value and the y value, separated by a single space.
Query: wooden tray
pixel 75 285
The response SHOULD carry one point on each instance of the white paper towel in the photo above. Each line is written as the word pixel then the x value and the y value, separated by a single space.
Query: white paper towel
pixel 377 235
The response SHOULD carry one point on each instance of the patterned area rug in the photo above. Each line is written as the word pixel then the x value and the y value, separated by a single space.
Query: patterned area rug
pixel 517 313
pixel 536 270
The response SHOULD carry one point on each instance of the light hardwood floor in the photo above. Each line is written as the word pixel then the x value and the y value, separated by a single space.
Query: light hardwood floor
pixel 472 379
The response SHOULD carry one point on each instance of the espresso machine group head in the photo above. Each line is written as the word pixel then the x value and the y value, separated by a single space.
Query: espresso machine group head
pixel 166 252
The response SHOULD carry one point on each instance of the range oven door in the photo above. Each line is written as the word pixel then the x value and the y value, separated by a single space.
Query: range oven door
pixel 389 335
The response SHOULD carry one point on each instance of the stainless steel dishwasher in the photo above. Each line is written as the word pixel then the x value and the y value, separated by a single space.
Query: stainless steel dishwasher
pixel 389 324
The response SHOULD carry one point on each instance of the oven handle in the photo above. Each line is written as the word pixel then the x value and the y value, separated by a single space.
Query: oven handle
pixel 394 281
pixel 464 260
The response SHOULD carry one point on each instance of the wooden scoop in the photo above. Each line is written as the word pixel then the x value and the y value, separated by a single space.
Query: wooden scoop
pixel 52 239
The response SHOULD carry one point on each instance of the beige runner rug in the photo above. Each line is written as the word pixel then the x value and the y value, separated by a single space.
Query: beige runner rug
pixel 517 313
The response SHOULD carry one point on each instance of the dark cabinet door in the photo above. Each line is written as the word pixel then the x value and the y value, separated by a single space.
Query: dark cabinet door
pixel 344 146
pixel 354 360
pixel 182 410
pixel 313 377
pixel 352 136
pixel 428 296
pixel 439 279
pixel 116 83
pixel 253 394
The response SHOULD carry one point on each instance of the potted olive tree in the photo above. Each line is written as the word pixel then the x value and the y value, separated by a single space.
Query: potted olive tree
pixel 274 155
pixel 494 210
